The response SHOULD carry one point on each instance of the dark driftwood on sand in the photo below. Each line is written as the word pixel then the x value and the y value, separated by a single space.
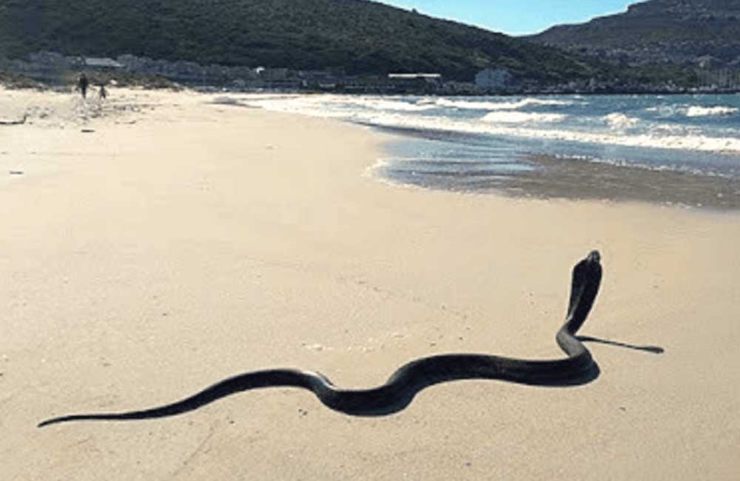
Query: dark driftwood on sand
pixel 14 122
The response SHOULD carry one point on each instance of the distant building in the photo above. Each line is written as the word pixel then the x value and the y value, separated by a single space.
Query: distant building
pixel 459 88
pixel 46 67
pixel 274 74
pixel 708 62
pixel 97 63
pixel 430 77
pixel 493 79
pixel 414 82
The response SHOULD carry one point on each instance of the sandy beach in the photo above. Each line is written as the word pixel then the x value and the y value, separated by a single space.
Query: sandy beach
pixel 156 244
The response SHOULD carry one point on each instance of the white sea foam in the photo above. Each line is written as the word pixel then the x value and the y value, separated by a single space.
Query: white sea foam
pixel 508 117
pixel 376 103
pixel 332 105
pixel 313 105
pixel 700 143
pixel 503 122
pixel 619 120
pixel 506 105
pixel 699 111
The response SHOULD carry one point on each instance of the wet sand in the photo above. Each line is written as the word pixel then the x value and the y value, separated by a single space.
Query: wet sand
pixel 553 177
pixel 578 179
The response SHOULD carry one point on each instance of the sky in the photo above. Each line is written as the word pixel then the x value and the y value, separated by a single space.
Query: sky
pixel 515 17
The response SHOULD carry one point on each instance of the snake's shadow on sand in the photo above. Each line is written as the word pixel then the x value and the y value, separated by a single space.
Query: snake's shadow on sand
pixel 596 340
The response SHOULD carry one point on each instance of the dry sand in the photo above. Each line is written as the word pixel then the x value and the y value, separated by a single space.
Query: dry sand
pixel 174 247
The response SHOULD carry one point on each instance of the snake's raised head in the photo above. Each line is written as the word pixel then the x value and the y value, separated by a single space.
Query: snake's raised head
pixel 584 288
pixel 594 257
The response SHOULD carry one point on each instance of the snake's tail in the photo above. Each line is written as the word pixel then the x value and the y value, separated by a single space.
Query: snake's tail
pixel 174 409
pixel 227 387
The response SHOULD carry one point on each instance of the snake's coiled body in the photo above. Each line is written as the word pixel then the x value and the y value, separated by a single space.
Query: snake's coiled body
pixel 577 368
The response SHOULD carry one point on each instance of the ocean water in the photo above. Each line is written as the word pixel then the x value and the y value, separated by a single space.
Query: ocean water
pixel 684 149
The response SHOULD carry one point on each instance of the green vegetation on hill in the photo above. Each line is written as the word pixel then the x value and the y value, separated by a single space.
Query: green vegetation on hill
pixel 353 36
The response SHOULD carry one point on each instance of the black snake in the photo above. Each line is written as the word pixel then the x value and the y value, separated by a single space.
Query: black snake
pixel 576 368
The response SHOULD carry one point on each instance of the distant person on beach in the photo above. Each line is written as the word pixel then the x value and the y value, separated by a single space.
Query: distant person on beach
pixel 102 93
pixel 82 84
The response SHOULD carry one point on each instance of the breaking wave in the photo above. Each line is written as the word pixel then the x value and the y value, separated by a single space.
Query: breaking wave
pixel 701 143
pixel 504 105
pixel 509 117
pixel 699 111
pixel 618 120
pixel 642 122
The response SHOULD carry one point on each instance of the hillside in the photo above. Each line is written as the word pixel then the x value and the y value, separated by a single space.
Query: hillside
pixel 356 36
pixel 657 31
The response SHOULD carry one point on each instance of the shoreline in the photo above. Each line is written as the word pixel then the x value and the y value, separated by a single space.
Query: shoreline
pixel 201 241
pixel 554 177
pixel 15 82
pixel 550 178
pixel 454 146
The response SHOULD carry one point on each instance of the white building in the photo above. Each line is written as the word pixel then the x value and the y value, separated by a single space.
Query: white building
pixel 101 63
pixel 493 78
pixel 435 77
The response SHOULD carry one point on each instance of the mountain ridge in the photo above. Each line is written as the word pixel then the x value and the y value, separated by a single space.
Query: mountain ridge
pixel 354 36
pixel 684 32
